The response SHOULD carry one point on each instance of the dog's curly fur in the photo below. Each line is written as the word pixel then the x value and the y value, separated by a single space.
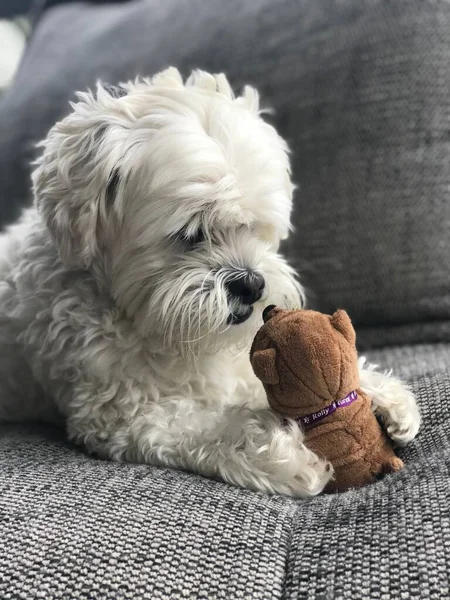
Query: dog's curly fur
pixel 115 310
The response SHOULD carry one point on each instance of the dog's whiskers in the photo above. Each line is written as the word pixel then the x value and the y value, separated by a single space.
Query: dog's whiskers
pixel 208 309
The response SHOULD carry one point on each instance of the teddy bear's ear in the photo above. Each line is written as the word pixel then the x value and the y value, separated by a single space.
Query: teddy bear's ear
pixel 341 321
pixel 264 365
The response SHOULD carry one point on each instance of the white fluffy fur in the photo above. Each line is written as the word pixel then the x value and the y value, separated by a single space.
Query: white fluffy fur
pixel 110 318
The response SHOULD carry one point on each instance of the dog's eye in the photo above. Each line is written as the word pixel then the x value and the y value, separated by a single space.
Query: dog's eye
pixel 191 239
pixel 197 238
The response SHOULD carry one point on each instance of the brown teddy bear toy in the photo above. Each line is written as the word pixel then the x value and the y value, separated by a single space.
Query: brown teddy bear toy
pixel 308 364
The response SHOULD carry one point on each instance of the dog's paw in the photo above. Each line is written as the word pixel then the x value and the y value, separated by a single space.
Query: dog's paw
pixel 320 472
pixel 311 474
pixel 402 418
pixel 405 430
pixel 393 401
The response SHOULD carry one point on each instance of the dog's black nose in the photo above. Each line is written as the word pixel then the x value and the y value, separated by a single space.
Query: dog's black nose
pixel 248 288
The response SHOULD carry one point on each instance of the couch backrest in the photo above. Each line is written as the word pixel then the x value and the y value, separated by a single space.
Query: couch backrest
pixel 361 90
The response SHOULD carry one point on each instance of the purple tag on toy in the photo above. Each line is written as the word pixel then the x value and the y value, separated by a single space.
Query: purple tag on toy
pixel 326 411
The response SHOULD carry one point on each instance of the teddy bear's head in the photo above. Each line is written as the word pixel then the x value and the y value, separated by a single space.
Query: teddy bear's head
pixel 305 359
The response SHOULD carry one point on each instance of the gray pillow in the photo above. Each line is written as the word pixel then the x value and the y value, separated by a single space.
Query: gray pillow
pixel 360 90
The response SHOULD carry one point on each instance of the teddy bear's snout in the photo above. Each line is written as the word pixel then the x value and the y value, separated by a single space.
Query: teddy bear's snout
pixel 266 312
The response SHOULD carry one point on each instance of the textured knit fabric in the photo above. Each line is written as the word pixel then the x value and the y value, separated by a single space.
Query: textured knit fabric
pixel 361 91
pixel 75 527
pixel 389 541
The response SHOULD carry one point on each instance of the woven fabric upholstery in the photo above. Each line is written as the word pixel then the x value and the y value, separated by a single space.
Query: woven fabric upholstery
pixel 75 527
pixel 367 114
pixel 391 540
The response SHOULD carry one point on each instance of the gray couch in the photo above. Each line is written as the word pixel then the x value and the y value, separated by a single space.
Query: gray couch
pixel 361 89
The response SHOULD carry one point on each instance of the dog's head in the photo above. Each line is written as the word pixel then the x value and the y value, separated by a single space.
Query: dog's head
pixel 177 195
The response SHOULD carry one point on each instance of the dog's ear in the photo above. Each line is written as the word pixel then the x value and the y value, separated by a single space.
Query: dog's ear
pixel 341 321
pixel 77 174
pixel 264 365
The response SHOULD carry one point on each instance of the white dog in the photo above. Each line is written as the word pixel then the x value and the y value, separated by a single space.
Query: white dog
pixel 130 293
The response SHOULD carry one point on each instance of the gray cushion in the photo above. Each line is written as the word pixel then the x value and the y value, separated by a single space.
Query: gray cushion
pixel 361 91
pixel 372 150
pixel 76 527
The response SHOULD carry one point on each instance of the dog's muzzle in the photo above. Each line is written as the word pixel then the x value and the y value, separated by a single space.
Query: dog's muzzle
pixel 243 291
